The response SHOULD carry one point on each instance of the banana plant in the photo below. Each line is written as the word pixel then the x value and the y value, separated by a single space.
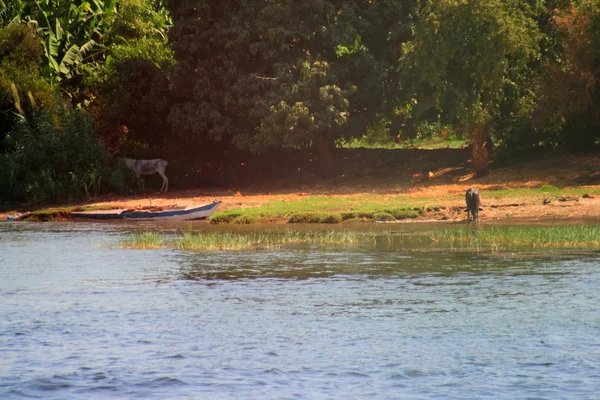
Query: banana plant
pixel 69 30
pixel 10 10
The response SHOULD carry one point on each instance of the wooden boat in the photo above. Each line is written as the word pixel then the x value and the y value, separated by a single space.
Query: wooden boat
pixel 172 214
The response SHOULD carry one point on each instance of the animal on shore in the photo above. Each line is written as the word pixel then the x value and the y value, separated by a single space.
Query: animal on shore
pixel 473 204
pixel 148 167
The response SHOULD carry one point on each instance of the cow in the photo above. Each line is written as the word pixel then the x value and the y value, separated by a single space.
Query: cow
pixel 148 167
pixel 473 204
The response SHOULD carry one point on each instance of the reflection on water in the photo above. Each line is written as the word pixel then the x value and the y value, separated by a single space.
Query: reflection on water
pixel 81 318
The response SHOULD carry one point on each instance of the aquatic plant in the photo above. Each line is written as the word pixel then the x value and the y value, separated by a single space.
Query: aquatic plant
pixel 514 237
pixel 249 241
pixel 495 239
pixel 142 240
pixel 223 241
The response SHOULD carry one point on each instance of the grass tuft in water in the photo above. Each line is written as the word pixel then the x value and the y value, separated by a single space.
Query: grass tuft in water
pixel 269 240
pixel 485 238
pixel 224 241
pixel 142 240
pixel 248 241
pixel 499 238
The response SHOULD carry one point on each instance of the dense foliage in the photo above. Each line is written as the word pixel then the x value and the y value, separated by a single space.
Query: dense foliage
pixel 265 74
pixel 198 78
pixel 56 157
pixel 20 58
pixel 131 87
pixel 466 58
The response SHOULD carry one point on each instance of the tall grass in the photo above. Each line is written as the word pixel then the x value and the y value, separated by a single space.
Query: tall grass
pixel 532 237
pixel 247 241
pixel 542 191
pixel 224 241
pixel 485 239
pixel 142 240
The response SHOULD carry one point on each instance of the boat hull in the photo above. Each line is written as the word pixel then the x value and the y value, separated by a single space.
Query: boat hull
pixel 186 214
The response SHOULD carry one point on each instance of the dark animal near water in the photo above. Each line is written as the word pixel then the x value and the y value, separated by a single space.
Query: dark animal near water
pixel 148 167
pixel 473 204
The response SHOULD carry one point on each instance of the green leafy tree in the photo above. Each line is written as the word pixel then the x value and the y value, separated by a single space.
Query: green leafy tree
pixel 568 101
pixel 21 53
pixel 131 87
pixel 465 57
pixel 264 73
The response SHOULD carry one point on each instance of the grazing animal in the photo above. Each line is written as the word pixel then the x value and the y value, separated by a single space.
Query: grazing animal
pixel 148 167
pixel 473 204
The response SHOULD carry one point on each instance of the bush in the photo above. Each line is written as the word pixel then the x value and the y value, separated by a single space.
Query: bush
pixel 315 218
pixel 384 216
pixel 402 213
pixel 49 158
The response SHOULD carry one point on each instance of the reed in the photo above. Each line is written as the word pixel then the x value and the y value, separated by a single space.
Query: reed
pixel 531 237
pixel 142 240
pixel 493 239
pixel 267 240
pixel 339 237
pixel 224 241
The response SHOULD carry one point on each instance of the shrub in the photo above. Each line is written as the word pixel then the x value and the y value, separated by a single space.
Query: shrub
pixel 58 157
pixel 315 218
pixel 402 213
pixel 384 216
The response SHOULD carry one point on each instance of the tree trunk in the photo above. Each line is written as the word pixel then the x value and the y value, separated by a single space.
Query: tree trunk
pixel 325 149
pixel 480 154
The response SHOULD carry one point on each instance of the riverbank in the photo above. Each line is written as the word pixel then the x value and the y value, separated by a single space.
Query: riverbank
pixel 429 188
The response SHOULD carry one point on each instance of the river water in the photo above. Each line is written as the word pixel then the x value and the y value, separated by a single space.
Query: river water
pixel 81 318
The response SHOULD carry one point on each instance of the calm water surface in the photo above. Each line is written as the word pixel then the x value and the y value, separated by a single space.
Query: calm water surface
pixel 81 318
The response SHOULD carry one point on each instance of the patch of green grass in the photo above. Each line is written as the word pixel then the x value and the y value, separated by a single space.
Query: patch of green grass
pixel 532 237
pixel 542 191
pixel 323 209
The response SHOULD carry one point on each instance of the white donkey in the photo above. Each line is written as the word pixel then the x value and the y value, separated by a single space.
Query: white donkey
pixel 148 167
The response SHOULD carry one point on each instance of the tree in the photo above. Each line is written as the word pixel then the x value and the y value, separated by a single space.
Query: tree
pixel 465 56
pixel 131 88
pixel 568 89
pixel 265 73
